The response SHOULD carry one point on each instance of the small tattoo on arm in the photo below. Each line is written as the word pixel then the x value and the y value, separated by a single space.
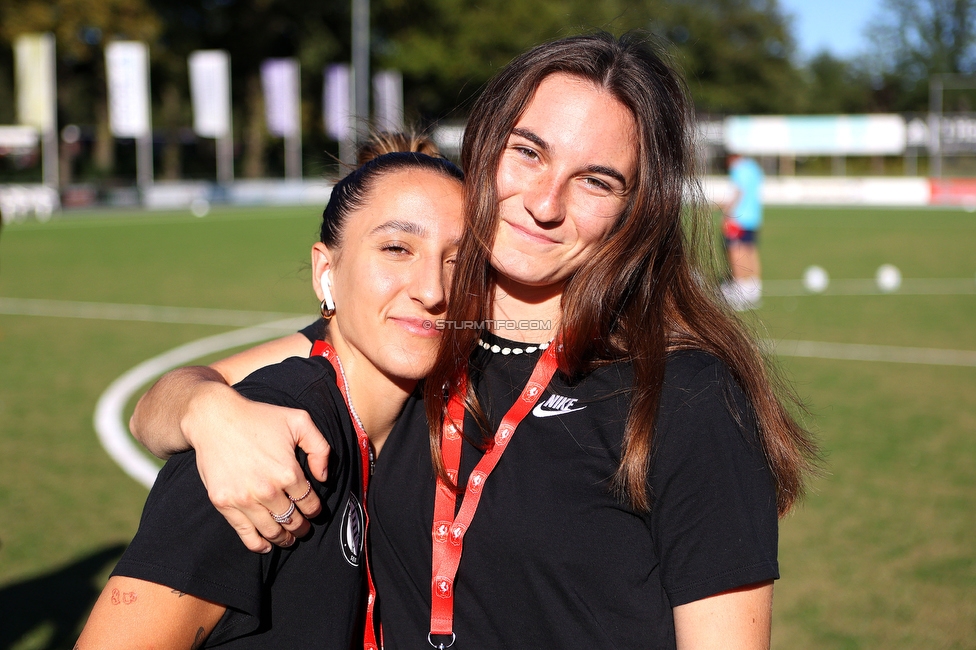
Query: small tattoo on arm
pixel 198 640
pixel 123 597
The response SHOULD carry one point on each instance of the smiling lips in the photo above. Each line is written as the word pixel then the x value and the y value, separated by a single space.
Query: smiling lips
pixel 534 236
pixel 423 327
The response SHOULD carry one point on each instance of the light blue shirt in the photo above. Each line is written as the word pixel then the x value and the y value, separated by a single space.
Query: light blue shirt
pixel 747 177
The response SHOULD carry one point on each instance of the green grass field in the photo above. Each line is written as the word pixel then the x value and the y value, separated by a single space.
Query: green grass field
pixel 880 555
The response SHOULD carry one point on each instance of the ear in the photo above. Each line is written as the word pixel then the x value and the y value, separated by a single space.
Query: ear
pixel 321 264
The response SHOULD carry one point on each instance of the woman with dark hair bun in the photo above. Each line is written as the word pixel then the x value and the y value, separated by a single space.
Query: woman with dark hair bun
pixel 383 142
pixel 600 435
pixel 381 271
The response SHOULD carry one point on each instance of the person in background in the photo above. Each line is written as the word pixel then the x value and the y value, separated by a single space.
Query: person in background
pixel 741 219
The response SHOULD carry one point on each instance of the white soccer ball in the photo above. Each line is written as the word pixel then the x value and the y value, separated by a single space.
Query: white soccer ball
pixel 200 207
pixel 815 279
pixel 888 278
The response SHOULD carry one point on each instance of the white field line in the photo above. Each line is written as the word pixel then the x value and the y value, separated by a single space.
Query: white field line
pixel 909 287
pixel 114 433
pixel 860 352
pixel 146 313
pixel 117 441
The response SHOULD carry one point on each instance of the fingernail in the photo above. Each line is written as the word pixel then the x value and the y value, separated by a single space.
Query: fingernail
pixel 265 550
pixel 288 543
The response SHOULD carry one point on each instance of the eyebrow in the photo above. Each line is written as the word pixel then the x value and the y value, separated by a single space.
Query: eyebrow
pixel 395 225
pixel 531 137
pixel 409 227
pixel 592 169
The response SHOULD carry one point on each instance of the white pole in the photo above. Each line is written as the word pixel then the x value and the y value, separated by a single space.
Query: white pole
pixel 50 134
pixel 293 139
pixel 360 65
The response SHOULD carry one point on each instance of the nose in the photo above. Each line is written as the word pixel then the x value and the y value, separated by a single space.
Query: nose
pixel 429 286
pixel 543 199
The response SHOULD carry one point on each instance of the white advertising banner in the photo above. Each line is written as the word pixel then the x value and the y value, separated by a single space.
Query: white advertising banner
pixel 210 93
pixel 957 133
pixel 280 79
pixel 22 138
pixel 388 100
pixel 337 102
pixel 127 65
pixel 34 54
pixel 813 135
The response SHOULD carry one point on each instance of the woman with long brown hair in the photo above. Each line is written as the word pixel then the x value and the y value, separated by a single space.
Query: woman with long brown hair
pixel 608 448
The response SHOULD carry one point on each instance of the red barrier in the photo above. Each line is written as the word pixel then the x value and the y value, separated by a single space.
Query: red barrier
pixel 953 191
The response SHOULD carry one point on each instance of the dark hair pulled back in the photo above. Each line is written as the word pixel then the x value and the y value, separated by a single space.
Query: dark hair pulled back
pixel 383 154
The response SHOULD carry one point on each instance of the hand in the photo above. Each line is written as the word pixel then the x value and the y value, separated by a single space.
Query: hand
pixel 246 458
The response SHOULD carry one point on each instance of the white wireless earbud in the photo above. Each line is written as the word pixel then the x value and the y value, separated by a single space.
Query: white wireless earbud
pixel 326 283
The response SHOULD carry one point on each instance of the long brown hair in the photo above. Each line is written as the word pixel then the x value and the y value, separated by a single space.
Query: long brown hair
pixel 647 290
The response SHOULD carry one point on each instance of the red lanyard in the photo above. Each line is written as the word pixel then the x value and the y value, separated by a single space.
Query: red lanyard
pixel 448 531
pixel 325 349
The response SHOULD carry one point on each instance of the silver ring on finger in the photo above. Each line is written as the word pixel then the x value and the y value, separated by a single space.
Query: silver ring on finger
pixel 308 490
pixel 285 518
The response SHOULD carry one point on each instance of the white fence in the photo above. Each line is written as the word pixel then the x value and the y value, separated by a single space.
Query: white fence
pixel 877 191
pixel 19 202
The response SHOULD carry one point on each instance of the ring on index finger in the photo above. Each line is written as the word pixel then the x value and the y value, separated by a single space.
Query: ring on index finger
pixel 308 490
pixel 285 518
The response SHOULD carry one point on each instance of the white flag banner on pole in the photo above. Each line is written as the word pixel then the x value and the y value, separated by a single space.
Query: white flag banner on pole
pixel 280 80
pixel 127 65
pixel 210 93
pixel 34 54
pixel 388 100
pixel 337 102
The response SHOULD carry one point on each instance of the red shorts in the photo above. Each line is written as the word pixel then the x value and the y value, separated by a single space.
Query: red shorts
pixel 733 232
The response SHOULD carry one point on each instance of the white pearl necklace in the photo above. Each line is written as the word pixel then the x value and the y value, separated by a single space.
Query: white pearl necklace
pixel 355 416
pixel 507 350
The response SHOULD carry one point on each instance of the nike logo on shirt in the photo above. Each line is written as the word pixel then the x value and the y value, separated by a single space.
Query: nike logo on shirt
pixel 555 405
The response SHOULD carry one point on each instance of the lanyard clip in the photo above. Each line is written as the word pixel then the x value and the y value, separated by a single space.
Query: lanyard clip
pixel 441 638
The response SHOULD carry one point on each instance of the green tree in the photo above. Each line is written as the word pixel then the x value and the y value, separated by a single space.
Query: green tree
pixel 837 86
pixel 913 39
pixel 448 49
pixel 81 29
pixel 738 55
pixel 251 31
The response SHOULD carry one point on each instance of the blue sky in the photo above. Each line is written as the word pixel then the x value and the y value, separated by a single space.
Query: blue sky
pixel 834 25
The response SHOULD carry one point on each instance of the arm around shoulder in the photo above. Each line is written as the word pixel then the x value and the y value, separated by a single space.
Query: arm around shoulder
pixel 158 421
pixel 159 414
pixel 245 449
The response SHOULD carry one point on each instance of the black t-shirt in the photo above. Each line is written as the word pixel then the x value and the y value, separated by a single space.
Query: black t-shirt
pixel 553 559
pixel 315 331
pixel 309 596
